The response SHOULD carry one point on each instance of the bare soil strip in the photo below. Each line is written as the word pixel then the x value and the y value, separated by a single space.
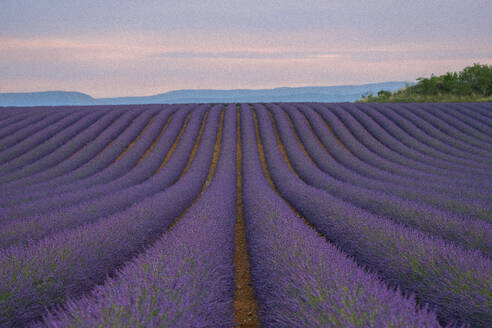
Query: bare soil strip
pixel 175 144
pixel 246 311
pixel 308 123
pixel 280 144
pixel 156 140
pixel 136 139
pixel 215 157
pixel 213 165
pixel 299 141
pixel 262 155
pixel 197 143
pixel 331 131
pixel 114 139
pixel 93 140
pixel 267 174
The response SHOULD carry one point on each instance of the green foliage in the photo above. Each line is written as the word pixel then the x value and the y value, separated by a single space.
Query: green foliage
pixel 474 83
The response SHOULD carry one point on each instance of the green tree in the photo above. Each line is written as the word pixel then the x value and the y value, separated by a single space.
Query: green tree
pixel 477 79
pixel 473 83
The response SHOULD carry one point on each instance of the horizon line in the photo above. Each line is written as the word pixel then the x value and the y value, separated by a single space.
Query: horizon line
pixel 204 89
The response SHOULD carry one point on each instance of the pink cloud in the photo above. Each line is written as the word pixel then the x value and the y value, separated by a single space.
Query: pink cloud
pixel 130 65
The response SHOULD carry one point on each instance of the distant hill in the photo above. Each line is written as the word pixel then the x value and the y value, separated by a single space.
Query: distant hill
pixel 47 98
pixel 344 93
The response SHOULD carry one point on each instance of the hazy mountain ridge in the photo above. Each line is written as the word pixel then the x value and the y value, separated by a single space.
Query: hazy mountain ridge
pixel 46 98
pixel 343 93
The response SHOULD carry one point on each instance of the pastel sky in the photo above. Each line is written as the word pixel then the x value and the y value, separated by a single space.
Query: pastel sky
pixel 112 48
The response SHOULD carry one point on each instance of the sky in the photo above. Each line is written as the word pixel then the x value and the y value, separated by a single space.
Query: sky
pixel 143 47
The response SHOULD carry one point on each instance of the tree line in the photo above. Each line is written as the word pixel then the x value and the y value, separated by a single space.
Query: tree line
pixel 473 83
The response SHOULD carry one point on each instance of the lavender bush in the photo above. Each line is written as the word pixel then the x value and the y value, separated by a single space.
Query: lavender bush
pixel 299 278
pixel 470 233
pixel 457 282
pixel 65 151
pixel 67 264
pixel 186 279
pixel 357 215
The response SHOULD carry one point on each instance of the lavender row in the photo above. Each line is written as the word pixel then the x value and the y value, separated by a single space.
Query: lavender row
pixel 471 117
pixel 485 108
pixel 138 146
pixel 344 164
pixel 455 281
pixel 67 198
pixel 399 154
pixel 458 132
pixel 300 279
pixel 50 144
pixel 469 233
pixel 14 124
pixel 476 131
pixel 104 158
pixel 80 157
pixel 7 120
pixel 387 154
pixel 90 203
pixel 97 202
pixel 154 156
pixel 391 128
pixel 404 191
pixel 417 143
pixel 65 151
pixel 363 145
pixel 70 263
pixel 31 135
pixel 446 139
pixel 125 161
pixel 475 114
pixel 481 110
pixel 397 129
pixel 127 157
pixel 425 132
pixel 27 188
pixel 186 279
pixel 7 114
pixel 22 118
pixel 433 125
pixel 35 134
pixel 375 157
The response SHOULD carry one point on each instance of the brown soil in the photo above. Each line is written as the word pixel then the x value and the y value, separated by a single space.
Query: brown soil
pixel 215 157
pixel 136 139
pixel 333 133
pixel 175 144
pixel 246 311
pixel 213 166
pixel 299 141
pixel 267 174
pixel 108 127
pixel 164 128
pixel 280 144
pixel 308 123
pixel 262 154
pixel 197 143
pixel 115 138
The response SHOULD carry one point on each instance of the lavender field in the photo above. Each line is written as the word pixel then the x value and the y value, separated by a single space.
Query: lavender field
pixel 246 215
